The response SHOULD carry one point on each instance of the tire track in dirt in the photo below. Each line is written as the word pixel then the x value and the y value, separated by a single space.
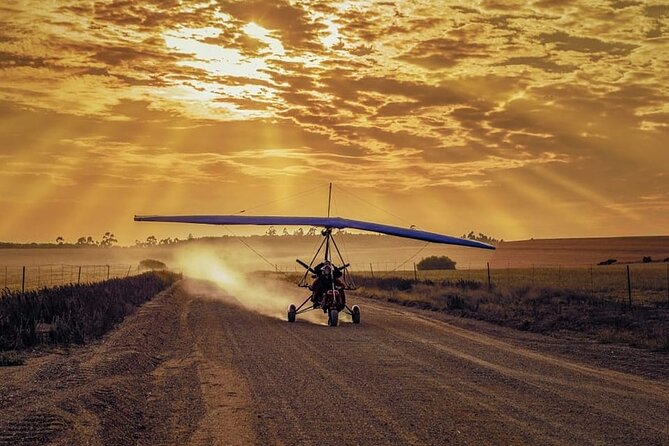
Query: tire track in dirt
pixel 545 398
pixel 508 394
pixel 186 369
pixel 140 385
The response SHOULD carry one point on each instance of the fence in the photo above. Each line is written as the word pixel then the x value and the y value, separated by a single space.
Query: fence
pixel 628 283
pixel 26 278
pixel 635 283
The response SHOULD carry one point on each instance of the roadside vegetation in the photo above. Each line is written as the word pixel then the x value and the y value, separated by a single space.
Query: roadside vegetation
pixel 72 314
pixel 435 263
pixel 541 309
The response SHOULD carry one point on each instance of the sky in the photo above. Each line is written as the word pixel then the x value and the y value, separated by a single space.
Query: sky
pixel 518 119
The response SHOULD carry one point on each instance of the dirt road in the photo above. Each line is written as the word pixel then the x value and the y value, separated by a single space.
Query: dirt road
pixel 190 370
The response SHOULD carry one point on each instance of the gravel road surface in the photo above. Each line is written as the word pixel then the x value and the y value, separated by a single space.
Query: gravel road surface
pixel 186 369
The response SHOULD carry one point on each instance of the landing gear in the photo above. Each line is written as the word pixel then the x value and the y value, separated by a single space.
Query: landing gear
pixel 355 314
pixel 333 318
pixel 292 312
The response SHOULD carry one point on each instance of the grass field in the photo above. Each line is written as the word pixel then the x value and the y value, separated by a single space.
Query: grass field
pixel 588 300
pixel 573 301
pixel 649 282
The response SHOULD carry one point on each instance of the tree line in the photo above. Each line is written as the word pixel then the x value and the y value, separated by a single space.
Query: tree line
pixel 108 239
pixel 481 237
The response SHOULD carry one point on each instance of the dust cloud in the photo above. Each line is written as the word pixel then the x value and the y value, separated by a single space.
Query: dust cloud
pixel 232 276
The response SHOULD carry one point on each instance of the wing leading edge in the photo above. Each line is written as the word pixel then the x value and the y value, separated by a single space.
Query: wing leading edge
pixel 325 222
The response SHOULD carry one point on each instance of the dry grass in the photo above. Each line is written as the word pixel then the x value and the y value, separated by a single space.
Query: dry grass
pixel 650 282
pixel 542 309
pixel 73 313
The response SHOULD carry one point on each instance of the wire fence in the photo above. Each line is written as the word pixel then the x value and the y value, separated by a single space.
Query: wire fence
pixel 25 278
pixel 628 283
pixel 633 283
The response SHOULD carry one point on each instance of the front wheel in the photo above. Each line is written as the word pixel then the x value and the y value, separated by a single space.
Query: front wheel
pixel 333 318
pixel 292 312
pixel 355 314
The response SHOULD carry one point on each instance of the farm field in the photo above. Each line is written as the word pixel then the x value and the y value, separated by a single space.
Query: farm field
pixel 649 282
pixel 565 262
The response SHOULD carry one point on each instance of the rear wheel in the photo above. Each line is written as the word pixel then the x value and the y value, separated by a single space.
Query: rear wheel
pixel 333 318
pixel 355 314
pixel 291 313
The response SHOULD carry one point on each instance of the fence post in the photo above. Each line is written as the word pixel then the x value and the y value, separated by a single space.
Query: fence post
pixel 629 287
pixel 107 272
pixel 5 276
pixel 668 283
pixel 489 284
pixel 415 272
pixel 592 282
pixel 130 267
pixel 50 275
pixel 372 270
pixel 23 281
pixel 39 274
pixel 79 276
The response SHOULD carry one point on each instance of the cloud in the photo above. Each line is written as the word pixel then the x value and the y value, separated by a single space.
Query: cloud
pixel 563 41
pixel 441 53
pixel 542 63
pixel 400 96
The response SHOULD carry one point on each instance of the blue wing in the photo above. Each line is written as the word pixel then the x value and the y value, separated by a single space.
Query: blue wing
pixel 325 222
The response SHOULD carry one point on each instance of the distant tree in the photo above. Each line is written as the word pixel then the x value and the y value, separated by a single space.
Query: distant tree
pixel 434 262
pixel 139 244
pixel 190 236
pixel 90 241
pixel 165 241
pixel 647 259
pixel 81 241
pixel 481 237
pixel 60 240
pixel 108 240
pixel 151 240
pixel 285 232
pixel 299 232
pixel 271 231
pixel 311 231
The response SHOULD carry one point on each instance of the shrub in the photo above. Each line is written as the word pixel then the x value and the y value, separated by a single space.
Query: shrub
pixel 647 259
pixel 608 262
pixel 152 265
pixel 435 262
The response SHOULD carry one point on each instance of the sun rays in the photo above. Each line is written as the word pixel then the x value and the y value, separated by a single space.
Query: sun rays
pixel 530 116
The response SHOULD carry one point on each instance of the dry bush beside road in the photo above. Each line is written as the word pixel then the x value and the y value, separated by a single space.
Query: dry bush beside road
pixel 73 313
pixel 540 309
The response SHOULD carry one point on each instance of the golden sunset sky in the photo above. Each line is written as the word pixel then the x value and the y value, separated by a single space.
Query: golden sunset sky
pixel 515 118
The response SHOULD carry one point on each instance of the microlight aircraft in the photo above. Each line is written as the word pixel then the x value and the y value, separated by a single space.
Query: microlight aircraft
pixel 330 281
